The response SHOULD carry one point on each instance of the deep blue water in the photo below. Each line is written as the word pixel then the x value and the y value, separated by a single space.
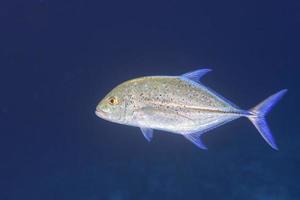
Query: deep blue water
pixel 58 59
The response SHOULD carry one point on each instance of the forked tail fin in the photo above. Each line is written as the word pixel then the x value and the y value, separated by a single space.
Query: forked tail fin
pixel 258 113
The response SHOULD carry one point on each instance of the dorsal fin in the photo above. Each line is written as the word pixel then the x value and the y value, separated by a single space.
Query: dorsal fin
pixel 196 75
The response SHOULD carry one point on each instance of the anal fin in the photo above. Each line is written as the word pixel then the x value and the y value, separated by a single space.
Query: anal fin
pixel 148 133
pixel 196 139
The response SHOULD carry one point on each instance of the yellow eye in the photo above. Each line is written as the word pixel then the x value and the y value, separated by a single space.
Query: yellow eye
pixel 113 101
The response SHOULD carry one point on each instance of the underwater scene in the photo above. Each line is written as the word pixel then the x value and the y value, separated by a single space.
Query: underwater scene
pixel 119 100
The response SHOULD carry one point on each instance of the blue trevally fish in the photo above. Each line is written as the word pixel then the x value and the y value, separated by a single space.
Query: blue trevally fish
pixel 181 105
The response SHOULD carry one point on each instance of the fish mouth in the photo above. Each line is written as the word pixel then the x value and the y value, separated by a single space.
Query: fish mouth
pixel 100 113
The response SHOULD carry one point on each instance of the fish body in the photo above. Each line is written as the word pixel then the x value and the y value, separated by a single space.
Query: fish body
pixel 177 104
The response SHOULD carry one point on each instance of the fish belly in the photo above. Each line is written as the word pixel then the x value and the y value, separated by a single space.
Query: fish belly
pixel 182 122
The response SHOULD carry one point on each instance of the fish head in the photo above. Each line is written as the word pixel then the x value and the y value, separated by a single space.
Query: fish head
pixel 113 106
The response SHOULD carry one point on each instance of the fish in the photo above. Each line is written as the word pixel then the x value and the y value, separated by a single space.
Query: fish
pixel 180 105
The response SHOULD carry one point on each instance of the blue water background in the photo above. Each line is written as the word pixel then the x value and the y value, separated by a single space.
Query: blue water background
pixel 58 59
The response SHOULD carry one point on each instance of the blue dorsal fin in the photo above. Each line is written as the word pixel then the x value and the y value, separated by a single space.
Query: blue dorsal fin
pixel 195 139
pixel 196 75
pixel 148 133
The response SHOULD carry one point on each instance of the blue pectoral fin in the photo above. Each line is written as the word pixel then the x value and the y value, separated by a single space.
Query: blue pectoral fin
pixel 148 133
pixel 196 75
pixel 195 139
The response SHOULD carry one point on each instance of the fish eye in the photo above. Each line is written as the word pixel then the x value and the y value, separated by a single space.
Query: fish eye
pixel 113 101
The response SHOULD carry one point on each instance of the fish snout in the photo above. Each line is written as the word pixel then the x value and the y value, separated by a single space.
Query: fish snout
pixel 100 113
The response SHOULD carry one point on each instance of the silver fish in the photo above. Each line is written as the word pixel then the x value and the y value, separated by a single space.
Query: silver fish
pixel 181 105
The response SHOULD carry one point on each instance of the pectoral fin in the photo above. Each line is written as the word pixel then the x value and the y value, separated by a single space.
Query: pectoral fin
pixel 148 133
pixel 148 116
pixel 196 139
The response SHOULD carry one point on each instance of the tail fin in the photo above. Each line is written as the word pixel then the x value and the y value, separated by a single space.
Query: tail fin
pixel 258 113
